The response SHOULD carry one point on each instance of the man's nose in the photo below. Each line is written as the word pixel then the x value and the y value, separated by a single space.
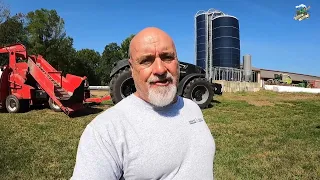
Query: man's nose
pixel 159 67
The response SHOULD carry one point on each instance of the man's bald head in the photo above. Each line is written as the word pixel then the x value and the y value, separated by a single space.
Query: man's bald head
pixel 154 66
pixel 150 36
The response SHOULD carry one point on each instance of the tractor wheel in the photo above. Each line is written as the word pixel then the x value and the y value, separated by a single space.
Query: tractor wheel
pixel 200 91
pixel 13 104
pixel 121 85
pixel 53 105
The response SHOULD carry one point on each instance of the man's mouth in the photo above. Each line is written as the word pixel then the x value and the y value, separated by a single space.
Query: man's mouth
pixel 163 82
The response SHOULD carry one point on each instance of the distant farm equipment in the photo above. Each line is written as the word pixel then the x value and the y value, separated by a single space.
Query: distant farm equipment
pixel 30 80
pixel 280 79
pixel 286 80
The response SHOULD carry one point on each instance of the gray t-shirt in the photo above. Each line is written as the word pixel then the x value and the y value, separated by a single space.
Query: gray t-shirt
pixel 135 141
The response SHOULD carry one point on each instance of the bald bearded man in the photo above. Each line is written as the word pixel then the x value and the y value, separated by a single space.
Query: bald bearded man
pixel 153 133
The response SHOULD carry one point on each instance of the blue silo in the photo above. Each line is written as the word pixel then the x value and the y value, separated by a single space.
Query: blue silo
pixel 201 38
pixel 225 41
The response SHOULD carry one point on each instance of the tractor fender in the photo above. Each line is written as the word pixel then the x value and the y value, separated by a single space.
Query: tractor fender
pixel 119 65
pixel 186 80
pixel 19 96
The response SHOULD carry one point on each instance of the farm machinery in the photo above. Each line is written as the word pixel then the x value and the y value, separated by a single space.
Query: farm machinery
pixel 193 83
pixel 30 80
pixel 280 79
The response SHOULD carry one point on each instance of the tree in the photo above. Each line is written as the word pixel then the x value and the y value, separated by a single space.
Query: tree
pixel 11 30
pixel 86 64
pixel 61 54
pixel 4 12
pixel 47 37
pixel 125 46
pixel 44 26
pixel 112 53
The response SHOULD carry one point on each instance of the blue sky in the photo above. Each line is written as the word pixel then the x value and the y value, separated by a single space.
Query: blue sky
pixel 267 29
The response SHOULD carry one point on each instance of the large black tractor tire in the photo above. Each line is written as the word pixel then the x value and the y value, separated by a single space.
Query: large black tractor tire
pixel 15 105
pixel 200 91
pixel 121 85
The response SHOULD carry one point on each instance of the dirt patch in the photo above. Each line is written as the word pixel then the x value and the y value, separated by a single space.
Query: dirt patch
pixel 262 155
pixel 260 103
pixel 284 103
pixel 272 97
pixel 99 93
pixel 298 96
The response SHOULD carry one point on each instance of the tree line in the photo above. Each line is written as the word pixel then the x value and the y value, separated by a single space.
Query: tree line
pixel 42 32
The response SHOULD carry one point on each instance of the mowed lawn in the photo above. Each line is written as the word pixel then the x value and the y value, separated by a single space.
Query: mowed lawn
pixel 262 135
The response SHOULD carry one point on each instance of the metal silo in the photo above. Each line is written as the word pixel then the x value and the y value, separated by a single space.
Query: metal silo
pixel 247 67
pixel 225 41
pixel 201 38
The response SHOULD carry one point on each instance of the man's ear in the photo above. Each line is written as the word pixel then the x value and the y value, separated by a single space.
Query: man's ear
pixel 130 64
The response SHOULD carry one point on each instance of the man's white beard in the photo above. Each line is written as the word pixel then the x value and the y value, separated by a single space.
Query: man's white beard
pixel 162 95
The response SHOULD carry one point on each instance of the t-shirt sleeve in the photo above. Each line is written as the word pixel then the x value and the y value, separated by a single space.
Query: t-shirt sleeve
pixel 96 157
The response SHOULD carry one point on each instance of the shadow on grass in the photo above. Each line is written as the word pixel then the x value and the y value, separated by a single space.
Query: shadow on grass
pixel 38 107
pixel 213 103
pixel 87 111
pixel 31 108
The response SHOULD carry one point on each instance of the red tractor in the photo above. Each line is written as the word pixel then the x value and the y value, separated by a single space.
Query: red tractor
pixel 31 80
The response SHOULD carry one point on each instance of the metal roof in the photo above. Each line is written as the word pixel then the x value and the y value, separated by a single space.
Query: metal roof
pixel 267 73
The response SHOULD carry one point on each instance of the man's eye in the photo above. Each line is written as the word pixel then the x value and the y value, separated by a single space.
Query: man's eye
pixel 167 58
pixel 146 62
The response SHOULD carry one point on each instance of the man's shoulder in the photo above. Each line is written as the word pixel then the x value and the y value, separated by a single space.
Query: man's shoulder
pixel 189 103
pixel 107 116
pixel 113 116
pixel 115 113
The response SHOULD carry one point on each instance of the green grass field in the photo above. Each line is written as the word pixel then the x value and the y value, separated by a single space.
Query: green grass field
pixel 261 135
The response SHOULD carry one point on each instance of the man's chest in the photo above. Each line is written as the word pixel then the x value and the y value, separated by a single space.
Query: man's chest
pixel 164 149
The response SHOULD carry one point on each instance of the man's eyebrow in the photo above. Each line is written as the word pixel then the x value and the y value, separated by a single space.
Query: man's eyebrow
pixel 168 53
pixel 144 57
pixel 151 56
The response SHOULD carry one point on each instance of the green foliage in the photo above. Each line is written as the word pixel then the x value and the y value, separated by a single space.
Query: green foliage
pixel 125 46
pixel 11 31
pixel 85 64
pixel 42 32
pixel 111 54
pixel 44 27
pixel 4 12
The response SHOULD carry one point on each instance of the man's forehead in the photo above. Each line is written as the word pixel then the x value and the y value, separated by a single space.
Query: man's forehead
pixel 151 43
pixel 153 48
